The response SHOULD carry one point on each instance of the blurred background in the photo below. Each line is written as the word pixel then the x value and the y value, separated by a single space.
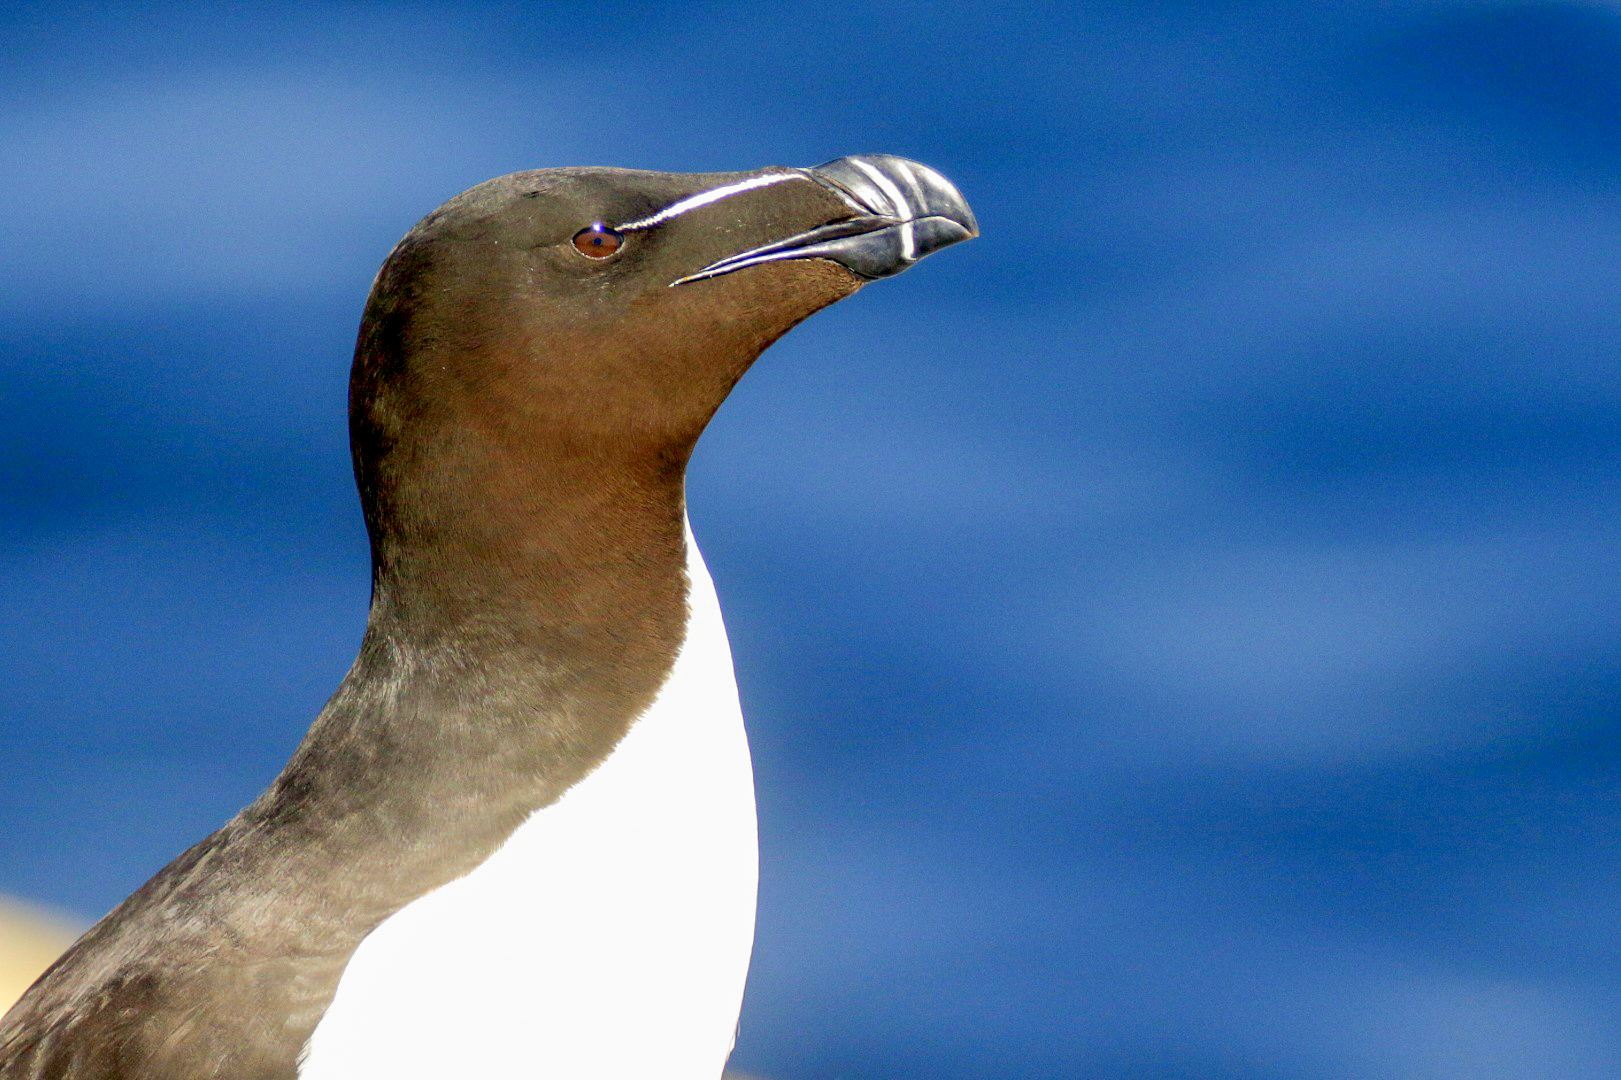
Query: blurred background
pixel 1179 629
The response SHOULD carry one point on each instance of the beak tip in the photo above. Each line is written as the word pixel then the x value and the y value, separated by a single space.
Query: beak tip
pixel 911 192
pixel 905 212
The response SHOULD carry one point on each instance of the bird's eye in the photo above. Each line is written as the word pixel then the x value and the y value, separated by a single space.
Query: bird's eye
pixel 597 241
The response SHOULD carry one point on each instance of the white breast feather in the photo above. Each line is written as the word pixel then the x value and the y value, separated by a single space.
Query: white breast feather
pixel 608 939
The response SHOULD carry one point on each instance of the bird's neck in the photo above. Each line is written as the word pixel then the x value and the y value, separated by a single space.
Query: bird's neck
pixel 627 905
pixel 508 653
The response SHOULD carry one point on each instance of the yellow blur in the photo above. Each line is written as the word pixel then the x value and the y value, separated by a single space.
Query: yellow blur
pixel 30 938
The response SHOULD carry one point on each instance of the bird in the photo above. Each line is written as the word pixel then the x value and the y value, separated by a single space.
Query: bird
pixel 520 839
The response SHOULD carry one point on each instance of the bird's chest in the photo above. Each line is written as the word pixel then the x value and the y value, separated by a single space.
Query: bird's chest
pixel 609 937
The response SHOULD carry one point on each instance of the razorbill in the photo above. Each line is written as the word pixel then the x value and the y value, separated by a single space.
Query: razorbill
pixel 519 841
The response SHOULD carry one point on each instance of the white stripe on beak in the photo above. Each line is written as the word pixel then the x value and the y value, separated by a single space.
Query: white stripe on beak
pixel 902 211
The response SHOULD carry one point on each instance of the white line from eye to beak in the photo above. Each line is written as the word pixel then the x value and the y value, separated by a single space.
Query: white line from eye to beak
pixel 704 198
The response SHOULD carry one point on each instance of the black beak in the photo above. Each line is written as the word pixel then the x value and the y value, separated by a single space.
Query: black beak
pixel 904 211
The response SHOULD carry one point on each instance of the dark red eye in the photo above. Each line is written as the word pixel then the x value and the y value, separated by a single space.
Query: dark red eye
pixel 597 241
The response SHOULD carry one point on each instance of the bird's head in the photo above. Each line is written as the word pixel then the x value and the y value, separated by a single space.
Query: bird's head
pixel 597 317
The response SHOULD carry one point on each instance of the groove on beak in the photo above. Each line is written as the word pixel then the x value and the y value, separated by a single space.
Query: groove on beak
pixel 904 211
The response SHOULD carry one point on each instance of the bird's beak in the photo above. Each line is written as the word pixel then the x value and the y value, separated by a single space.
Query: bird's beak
pixel 903 211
